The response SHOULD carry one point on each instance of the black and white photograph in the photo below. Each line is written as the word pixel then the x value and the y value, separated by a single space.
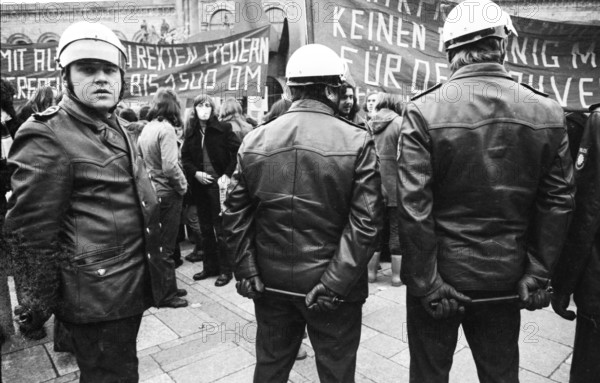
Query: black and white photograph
pixel 297 191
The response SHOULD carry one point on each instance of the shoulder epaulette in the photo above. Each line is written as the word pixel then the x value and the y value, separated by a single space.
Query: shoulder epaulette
pixel 427 91
pixel 46 114
pixel 534 89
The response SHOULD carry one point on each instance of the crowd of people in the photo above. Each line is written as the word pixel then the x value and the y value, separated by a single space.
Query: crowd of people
pixel 473 201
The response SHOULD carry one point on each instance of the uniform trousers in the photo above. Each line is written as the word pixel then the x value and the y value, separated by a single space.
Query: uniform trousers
pixel 585 366
pixel 492 332
pixel 106 351
pixel 335 337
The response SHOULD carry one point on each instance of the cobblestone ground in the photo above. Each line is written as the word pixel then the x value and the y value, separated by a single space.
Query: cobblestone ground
pixel 212 340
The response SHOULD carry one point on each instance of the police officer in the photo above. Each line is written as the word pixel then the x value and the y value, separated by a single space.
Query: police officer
pixel 578 270
pixel 303 218
pixel 83 217
pixel 485 193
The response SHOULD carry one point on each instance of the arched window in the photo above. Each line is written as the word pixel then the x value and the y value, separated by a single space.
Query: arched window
pixel 276 17
pixel 18 39
pixel 120 35
pixel 222 19
pixel 48 37
pixel 140 36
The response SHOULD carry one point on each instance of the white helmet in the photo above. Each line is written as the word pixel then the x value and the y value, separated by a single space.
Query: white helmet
pixel 473 20
pixel 84 40
pixel 314 60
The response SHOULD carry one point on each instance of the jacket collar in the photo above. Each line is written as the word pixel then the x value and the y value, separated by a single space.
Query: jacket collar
pixel 85 114
pixel 310 106
pixel 482 69
pixel 90 117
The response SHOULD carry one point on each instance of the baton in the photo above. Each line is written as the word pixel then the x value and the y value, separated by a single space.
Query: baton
pixel 293 294
pixel 481 301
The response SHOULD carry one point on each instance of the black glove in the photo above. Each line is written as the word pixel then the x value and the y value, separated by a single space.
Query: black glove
pixel 560 302
pixel 448 302
pixel 251 288
pixel 31 322
pixel 321 299
pixel 533 294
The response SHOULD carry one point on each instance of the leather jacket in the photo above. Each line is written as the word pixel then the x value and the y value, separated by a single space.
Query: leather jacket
pixel 486 183
pixel 85 216
pixel 578 270
pixel 385 127
pixel 306 205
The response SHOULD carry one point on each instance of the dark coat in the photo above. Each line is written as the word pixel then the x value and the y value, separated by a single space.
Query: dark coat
pixel 385 127
pixel 84 211
pixel 485 183
pixel 578 270
pixel 221 144
pixel 306 205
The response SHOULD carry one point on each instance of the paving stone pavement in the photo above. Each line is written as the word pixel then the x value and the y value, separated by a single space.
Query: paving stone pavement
pixel 212 340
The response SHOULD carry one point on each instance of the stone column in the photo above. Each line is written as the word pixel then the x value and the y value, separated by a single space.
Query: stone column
pixel 194 16
pixel 179 13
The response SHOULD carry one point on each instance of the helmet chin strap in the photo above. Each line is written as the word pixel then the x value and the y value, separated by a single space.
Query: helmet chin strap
pixel 71 91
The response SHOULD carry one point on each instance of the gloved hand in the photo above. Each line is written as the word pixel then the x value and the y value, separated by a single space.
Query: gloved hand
pixel 560 302
pixel 321 299
pixel 251 288
pixel 31 322
pixel 533 295
pixel 448 302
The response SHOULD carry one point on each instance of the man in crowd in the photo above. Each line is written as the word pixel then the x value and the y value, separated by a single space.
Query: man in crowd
pixel 348 104
pixel 485 196
pixel 303 218
pixel 83 217
pixel 578 270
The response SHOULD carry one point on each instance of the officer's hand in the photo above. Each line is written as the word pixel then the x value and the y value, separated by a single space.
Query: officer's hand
pixel 204 178
pixel 321 299
pixel 560 302
pixel 31 322
pixel 533 296
pixel 447 302
pixel 251 288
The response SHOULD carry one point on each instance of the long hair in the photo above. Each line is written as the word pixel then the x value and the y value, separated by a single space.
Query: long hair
pixel 488 50
pixel 165 106
pixel 7 92
pixel 355 107
pixel 194 120
pixel 278 108
pixel 389 101
pixel 42 99
pixel 230 109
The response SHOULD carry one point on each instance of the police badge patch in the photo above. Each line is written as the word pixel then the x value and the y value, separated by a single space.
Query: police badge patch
pixel 581 157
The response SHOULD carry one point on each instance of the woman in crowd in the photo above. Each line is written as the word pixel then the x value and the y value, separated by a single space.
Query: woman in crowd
pixel 278 108
pixel 231 112
pixel 158 146
pixel 42 99
pixel 209 157
pixel 385 127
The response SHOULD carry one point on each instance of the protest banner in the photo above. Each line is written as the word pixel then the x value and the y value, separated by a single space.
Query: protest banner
pixel 232 66
pixel 396 46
